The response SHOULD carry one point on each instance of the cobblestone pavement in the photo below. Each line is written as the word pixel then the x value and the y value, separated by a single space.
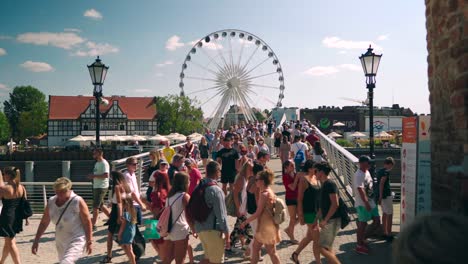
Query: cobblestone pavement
pixel 344 243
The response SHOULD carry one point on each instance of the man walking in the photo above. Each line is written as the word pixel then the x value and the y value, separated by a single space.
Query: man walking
pixel 364 203
pixel 385 197
pixel 130 178
pixel 227 157
pixel 100 179
pixel 212 229
pixel 299 152
pixel 331 221
pixel 176 165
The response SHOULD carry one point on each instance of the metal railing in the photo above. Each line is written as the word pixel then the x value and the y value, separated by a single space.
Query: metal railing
pixel 39 192
pixel 343 162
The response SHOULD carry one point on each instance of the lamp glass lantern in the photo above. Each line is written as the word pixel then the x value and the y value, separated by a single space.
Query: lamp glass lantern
pixel 370 62
pixel 98 72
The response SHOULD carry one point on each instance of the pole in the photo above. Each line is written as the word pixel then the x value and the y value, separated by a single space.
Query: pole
pixel 98 117
pixel 371 87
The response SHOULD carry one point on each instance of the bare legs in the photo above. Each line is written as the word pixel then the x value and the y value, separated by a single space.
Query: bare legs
pixel 329 255
pixel 387 220
pixel 271 251
pixel 292 223
pixel 96 213
pixel 313 234
pixel 361 232
pixel 129 252
pixel 10 248
pixel 175 250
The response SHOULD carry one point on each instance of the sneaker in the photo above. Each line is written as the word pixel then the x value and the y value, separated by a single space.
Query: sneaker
pixel 363 250
pixel 389 238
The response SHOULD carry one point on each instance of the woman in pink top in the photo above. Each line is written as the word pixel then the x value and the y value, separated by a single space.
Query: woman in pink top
pixel 194 173
pixel 290 182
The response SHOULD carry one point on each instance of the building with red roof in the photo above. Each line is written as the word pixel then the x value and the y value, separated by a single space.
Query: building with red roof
pixel 70 116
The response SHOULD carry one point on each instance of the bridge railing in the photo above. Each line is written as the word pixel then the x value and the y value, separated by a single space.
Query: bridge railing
pixel 343 162
pixel 40 192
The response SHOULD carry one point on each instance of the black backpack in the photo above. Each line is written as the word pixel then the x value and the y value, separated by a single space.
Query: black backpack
pixel 138 244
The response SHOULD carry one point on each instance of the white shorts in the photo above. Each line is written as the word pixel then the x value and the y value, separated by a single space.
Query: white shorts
pixel 387 205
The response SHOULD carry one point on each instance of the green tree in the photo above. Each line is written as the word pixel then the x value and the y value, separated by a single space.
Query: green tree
pixel 4 128
pixel 26 99
pixel 260 117
pixel 178 114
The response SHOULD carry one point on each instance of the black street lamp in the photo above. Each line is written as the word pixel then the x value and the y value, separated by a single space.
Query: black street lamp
pixel 98 72
pixel 370 64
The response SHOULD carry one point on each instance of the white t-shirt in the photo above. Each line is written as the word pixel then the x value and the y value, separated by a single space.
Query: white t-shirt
pixel 361 180
pixel 101 167
pixel 295 147
pixel 132 184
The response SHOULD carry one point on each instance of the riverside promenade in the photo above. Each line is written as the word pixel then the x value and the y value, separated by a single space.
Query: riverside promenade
pixel 344 245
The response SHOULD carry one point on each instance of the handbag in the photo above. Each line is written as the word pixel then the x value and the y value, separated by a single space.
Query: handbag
pixel 138 244
pixel 165 222
pixel 25 209
pixel 230 205
pixel 344 214
pixel 151 232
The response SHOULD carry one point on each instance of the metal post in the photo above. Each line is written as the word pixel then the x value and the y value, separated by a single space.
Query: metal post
pixel 98 117
pixel 371 87
pixel 44 195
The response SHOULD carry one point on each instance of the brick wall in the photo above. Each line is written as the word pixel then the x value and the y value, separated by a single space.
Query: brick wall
pixel 447 43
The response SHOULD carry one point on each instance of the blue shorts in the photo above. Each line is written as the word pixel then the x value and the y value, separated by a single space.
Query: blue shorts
pixel 366 216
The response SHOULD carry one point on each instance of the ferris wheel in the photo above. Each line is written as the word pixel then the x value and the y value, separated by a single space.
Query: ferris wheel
pixel 232 70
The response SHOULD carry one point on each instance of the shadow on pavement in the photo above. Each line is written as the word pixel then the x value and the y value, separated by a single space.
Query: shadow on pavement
pixel 380 252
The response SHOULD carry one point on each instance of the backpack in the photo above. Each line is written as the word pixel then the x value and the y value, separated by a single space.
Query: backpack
pixel 165 220
pixel 299 157
pixel 344 213
pixel 197 209
pixel 279 211
pixel 138 244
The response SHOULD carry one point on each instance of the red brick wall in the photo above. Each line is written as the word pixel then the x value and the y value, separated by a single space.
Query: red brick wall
pixel 447 43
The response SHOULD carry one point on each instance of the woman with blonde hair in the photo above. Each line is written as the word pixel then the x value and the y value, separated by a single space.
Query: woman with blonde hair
pixel 71 216
pixel 267 232
pixel 11 224
pixel 204 151
pixel 155 158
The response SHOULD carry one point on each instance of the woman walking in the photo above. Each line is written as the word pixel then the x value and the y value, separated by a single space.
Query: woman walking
pixel 127 229
pixel 176 243
pixel 290 182
pixel 284 150
pixel 204 151
pixel 277 143
pixel 319 155
pixel 308 201
pixel 152 167
pixel 267 233
pixel 11 223
pixel 120 191
pixel 70 214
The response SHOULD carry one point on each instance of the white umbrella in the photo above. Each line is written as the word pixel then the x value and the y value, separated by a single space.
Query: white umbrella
pixel 79 138
pixel 338 124
pixel 195 136
pixel 358 134
pixel 176 137
pixel 334 135
pixel 116 138
pixel 158 137
pixel 138 138
pixel 383 135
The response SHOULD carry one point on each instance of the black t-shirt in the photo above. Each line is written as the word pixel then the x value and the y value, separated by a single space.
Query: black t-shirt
pixel 386 190
pixel 171 172
pixel 228 158
pixel 287 133
pixel 328 187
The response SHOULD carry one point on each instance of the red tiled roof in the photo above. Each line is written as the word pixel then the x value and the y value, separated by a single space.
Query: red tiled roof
pixel 71 107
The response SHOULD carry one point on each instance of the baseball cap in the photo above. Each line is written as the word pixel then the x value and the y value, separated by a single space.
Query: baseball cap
pixel 364 158
pixel 163 161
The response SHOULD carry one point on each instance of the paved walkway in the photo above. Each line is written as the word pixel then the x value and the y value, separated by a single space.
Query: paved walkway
pixel 344 243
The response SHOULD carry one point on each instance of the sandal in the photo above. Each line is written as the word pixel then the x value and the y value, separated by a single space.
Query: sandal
pixel 106 259
pixel 295 258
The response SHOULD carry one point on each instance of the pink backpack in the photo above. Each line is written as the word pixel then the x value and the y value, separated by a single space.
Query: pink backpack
pixel 165 224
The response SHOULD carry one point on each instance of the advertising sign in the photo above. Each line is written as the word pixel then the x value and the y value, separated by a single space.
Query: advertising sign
pixel 423 195
pixel 408 170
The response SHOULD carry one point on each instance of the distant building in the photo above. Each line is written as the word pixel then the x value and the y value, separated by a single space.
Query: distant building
pixel 291 113
pixel 355 118
pixel 70 116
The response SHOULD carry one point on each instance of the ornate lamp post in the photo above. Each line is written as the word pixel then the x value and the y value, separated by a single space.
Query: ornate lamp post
pixel 98 72
pixel 370 64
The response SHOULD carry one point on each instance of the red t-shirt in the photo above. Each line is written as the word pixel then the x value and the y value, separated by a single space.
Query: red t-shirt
pixel 312 138
pixel 195 177
pixel 290 194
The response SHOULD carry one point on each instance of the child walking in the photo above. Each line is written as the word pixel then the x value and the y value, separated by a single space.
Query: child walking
pixel 128 228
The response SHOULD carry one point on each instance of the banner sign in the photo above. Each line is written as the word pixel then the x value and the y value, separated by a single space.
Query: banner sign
pixel 423 194
pixel 408 170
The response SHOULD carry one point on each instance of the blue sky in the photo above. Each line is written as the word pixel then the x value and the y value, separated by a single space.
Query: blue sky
pixel 48 44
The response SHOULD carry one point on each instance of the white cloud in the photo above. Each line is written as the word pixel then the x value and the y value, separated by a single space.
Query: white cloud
pixel 72 30
pixel 168 62
pixel 351 67
pixel 95 49
pixel 36 66
pixel 174 43
pixel 321 70
pixel 159 74
pixel 2 52
pixel 4 37
pixel 3 87
pixel 143 91
pixel 337 43
pixel 93 14
pixel 60 40
pixel 383 37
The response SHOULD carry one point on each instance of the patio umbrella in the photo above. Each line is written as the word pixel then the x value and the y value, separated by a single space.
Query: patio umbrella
pixel 338 124
pixel 176 137
pixel 358 134
pixel 334 135
pixel 158 137
pixel 137 138
pixel 79 138
pixel 195 136
pixel 383 135
pixel 117 138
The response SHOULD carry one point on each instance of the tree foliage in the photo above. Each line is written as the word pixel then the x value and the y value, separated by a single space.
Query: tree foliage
pixel 178 114
pixel 4 128
pixel 28 105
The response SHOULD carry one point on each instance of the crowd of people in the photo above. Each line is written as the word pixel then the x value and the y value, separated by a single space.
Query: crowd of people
pixel 198 204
